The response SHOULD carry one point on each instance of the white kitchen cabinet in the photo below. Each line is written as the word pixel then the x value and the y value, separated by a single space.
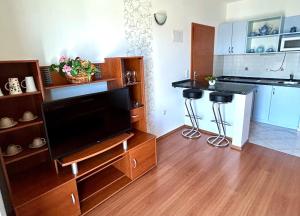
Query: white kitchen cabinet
pixel 231 38
pixel 285 107
pixel 262 100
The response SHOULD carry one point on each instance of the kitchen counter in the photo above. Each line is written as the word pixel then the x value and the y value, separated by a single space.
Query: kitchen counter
pixel 237 113
pixel 234 88
pixel 259 81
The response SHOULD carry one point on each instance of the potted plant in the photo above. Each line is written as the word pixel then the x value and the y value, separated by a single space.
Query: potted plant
pixel 211 79
pixel 74 70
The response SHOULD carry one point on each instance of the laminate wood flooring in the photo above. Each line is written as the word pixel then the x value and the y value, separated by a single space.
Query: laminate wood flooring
pixel 193 178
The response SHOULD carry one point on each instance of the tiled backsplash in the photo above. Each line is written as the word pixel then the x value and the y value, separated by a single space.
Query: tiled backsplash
pixel 258 65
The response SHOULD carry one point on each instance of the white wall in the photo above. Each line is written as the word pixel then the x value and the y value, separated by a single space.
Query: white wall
pixel 172 59
pixel 256 8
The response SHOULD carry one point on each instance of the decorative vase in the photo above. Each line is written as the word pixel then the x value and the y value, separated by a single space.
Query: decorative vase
pixel 212 82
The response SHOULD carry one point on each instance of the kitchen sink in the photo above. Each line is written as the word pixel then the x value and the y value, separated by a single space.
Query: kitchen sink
pixel 289 82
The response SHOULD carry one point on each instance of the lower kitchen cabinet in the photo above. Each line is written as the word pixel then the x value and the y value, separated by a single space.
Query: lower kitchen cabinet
pixel 285 107
pixel 277 105
pixel 262 100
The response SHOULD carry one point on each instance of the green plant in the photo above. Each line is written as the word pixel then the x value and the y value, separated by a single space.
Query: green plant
pixel 210 78
pixel 74 67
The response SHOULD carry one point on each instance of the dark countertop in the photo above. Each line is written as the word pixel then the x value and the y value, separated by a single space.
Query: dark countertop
pixel 234 88
pixel 258 81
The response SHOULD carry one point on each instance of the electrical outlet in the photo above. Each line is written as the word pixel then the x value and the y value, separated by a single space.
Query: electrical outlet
pixel 165 112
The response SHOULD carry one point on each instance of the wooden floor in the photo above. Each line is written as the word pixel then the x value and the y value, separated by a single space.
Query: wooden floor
pixel 193 178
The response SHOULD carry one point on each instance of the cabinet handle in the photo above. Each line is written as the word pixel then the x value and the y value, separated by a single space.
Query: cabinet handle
pixel 135 116
pixel 273 92
pixel 134 163
pixel 229 51
pixel 73 198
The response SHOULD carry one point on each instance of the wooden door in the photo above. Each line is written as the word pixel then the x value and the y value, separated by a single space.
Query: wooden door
pixel 202 52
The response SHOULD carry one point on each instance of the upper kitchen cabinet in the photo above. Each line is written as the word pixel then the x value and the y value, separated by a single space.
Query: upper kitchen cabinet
pixel 284 109
pixel 231 38
pixel 290 23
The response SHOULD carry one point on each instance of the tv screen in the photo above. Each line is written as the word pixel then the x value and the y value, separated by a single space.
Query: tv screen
pixel 75 123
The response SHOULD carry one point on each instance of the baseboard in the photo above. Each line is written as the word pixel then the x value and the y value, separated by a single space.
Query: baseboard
pixel 171 132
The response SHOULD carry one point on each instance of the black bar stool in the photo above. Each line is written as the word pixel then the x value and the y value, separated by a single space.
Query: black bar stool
pixel 219 98
pixel 190 95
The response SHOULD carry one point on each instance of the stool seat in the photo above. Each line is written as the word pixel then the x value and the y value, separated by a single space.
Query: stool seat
pixel 220 97
pixel 192 93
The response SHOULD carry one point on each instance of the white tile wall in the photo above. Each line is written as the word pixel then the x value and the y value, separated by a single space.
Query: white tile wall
pixel 258 65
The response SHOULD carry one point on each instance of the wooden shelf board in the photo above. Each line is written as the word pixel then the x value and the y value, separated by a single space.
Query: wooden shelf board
pixel 20 95
pixel 71 84
pixel 102 195
pixel 99 161
pixel 35 182
pixel 133 84
pixel 26 153
pixel 95 150
pixel 139 138
pixel 98 182
pixel 22 125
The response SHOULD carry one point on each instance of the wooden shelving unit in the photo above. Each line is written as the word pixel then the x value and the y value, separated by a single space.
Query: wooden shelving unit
pixel 20 95
pixel 22 125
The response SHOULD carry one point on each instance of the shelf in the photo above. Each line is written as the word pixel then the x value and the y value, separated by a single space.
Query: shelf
pixel 104 194
pixel 71 84
pixel 290 33
pixel 22 125
pixel 100 161
pixel 98 182
pixel 20 95
pixel 26 153
pixel 263 36
pixel 133 84
pixel 95 149
pixel 139 138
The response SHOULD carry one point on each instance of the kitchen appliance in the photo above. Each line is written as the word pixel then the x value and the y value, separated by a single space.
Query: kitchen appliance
pixel 290 44
pixel 75 123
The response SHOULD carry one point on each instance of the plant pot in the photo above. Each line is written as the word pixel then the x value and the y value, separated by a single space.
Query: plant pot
pixel 212 82
pixel 80 78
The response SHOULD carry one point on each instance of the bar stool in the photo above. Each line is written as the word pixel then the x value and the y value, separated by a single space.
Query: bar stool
pixel 190 95
pixel 219 98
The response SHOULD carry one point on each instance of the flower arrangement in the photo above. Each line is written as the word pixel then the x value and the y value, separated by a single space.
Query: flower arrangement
pixel 211 79
pixel 74 70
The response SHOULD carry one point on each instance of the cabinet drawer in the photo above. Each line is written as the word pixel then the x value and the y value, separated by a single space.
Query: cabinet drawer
pixel 60 201
pixel 137 114
pixel 143 158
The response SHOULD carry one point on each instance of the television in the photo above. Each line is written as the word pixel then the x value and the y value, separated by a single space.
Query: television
pixel 75 123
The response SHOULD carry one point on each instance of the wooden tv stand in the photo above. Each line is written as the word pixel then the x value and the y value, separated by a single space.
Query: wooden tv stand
pixel 102 172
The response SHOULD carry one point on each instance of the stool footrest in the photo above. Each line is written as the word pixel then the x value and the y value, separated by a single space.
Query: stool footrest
pixel 191 133
pixel 196 117
pixel 218 141
pixel 223 122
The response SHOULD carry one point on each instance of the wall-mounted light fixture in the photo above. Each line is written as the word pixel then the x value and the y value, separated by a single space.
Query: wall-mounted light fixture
pixel 160 17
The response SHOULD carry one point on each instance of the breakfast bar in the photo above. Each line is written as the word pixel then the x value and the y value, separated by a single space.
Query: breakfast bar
pixel 236 114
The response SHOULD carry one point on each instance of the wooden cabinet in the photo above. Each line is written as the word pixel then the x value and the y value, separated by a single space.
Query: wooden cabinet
pixel 261 106
pixel 231 38
pixel 60 201
pixel 143 158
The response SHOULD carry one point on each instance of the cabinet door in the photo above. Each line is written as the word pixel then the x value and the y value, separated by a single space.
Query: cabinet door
pixel 239 36
pixel 143 158
pixel 61 201
pixel 223 46
pixel 262 100
pixel 285 105
pixel 290 22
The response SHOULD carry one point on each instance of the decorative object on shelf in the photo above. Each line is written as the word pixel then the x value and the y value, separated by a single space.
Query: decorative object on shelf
pixel 29 84
pixel 1 94
pixel 253 34
pixel 271 49
pixel 13 86
pixel 293 29
pixel 7 122
pixel 37 142
pixel 133 77
pixel 98 73
pixel 136 104
pixel 160 17
pixel 251 51
pixel 211 80
pixel 13 150
pixel 128 77
pixel 275 31
pixel 28 116
pixel 265 29
pixel 75 70
pixel 260 49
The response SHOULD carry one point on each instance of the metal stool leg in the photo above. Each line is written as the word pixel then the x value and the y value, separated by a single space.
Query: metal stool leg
pixel 220 140
pixel 193 132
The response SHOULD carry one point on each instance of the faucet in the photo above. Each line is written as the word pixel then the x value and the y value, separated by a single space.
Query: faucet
pixel 291 77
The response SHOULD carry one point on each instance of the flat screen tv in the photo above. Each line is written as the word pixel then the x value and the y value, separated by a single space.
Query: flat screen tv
pixel 75 123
